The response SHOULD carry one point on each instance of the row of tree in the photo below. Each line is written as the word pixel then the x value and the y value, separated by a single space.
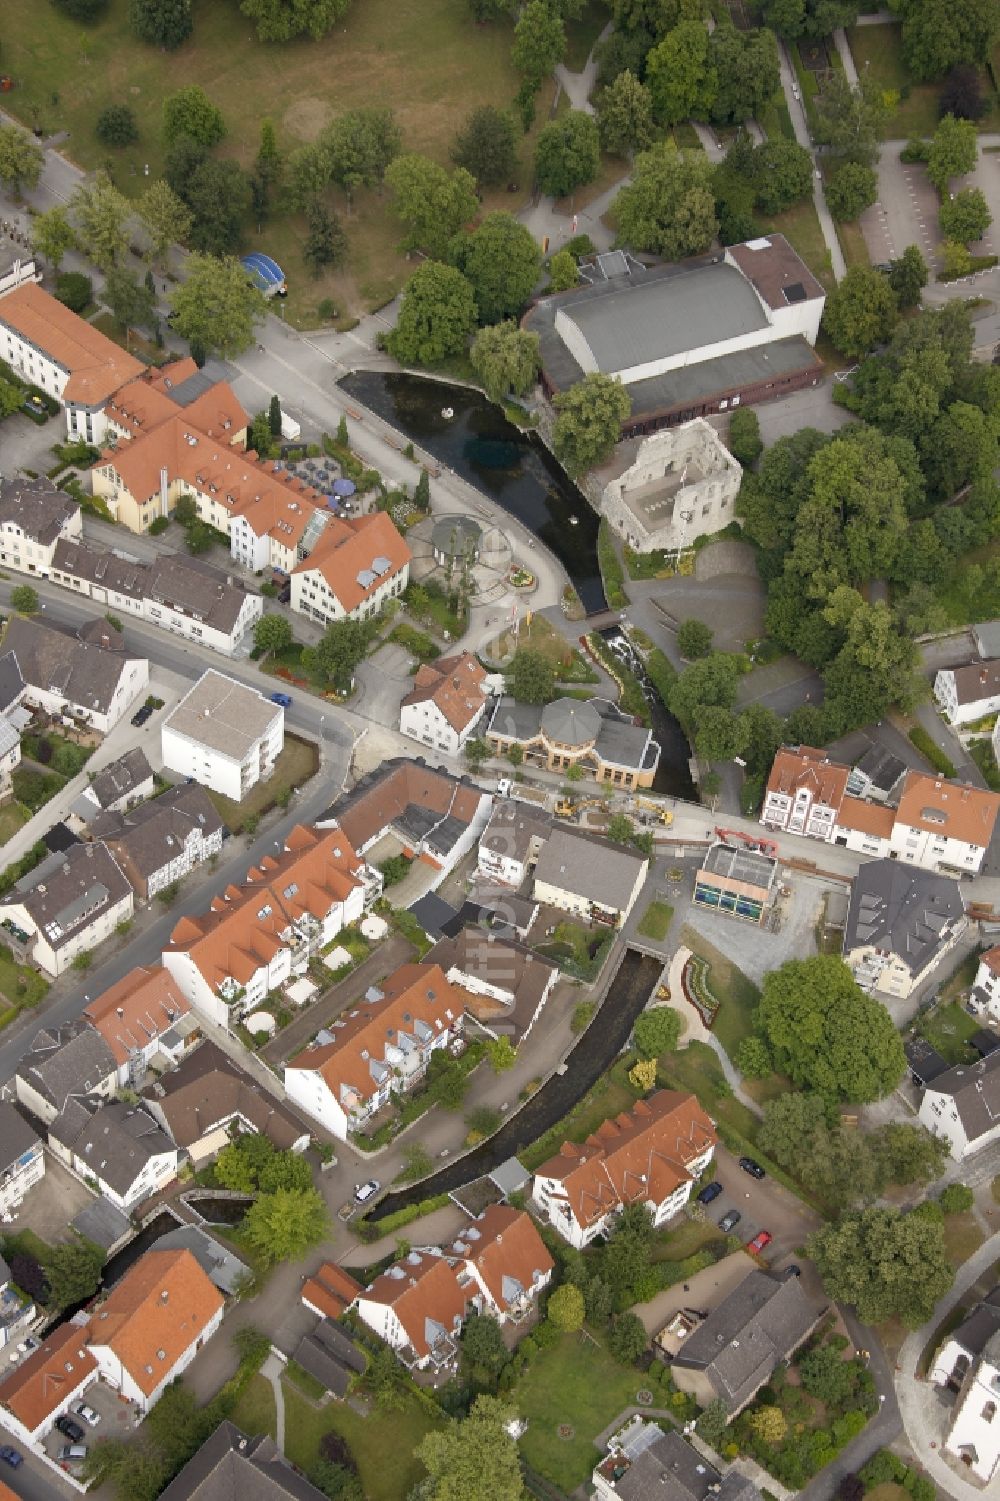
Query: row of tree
pixel 169 23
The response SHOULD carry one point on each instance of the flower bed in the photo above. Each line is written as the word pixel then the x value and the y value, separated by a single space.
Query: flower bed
pixel 694 983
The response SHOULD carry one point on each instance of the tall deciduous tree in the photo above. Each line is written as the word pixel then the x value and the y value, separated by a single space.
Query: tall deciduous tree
pixel 283 20
pixel 938 34
pixel 72 1271
pixel 966 217
pixel 189 112
pixel 437 315
pixel 21 159
pixel 953 151
pixel 473 1460
pixel 625 115
pixel 217 305
pixel 909 276
pixel 850 118
pixel 486 146
pixel 588 421
pixel 746 70
pixel 850 190
pixel 669 207
pixel 432 202
pixel 565 1309
pixel 860 312
pixel 680 74
pixel 132 304
pixel 219 196
pixel 162 23
pixel 166 219
pixel 52 235
pixel 568 153
pixel 539 41
pixel 358 146
pixel 886 1264
pixel 116 126
pixel 502 261
pixel 530 678
pixel 326 242
pixel 99 212
pixel 781 174
pixel 307 174
pixel 505 358
pixel 283 1225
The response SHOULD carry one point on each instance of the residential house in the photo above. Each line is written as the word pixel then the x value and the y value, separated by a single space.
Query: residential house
pixel 967 694
pixel 435 817
pixel 182 595
pixel 43 1385
pixel 355 567
pixel 118 786
pixel 256 936
pixel 23 1159
pixel 62 1061
pixel 230 1466
pixel 590 878
pixel 594 735
pixel 804 792
pixel 943 825
pixel 963 1105
pixel 10 756
pixel 223 734
pixel 502 983
pixel 330 1356
pixel 65 907
pixel 900 925
pixel 645 1461
pixel 17 1311
pixel 88 680
pixel 512 841
pixel 152 1324
pixel 733 1352
pixel 163 840
pixel 380 1048
pixel 418 1307
pixel 330 1291
pixel 65 356
pixel 506 1261
pixel 877 775
pixel 142 1016
pixel 207 1098
pixel 447 703
pixel 652 1154
pixel 985 995
pixel 865 826
pixel 116 1146
pixel 34 518
pixel 968 1365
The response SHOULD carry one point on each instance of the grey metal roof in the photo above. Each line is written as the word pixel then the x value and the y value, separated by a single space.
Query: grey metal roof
pixel 987 635
pixel 218 1263
pixel 37 507
pixel 68 1060
pixel 625 744
pixel 456 534
pixel 229 1466
pixel 103 1223
pixel 515 720
pixel 330 1357
pixel 115 1140
pixel 880 767
pixel 570 722
pixel 908 912
pixel 590 868
pixel 16 1136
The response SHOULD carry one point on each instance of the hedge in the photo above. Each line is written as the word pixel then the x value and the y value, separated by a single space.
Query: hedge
pixel 375 1229
pixel 931 752
pixel 611 568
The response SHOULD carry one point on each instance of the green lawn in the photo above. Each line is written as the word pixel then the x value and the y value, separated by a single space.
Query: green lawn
pixel 962 1237
pixel 852 243
pixel 582 33
pixel 21 985
pixel 697 1070
pixel 609 1097
pixel 254 1412
pixel 687 1237
pixel 948 1029
pixel 738 996
pixel 801 228
pixel 878 49
pixel 981 752
pixel 656 921
pixel 575 1382
pixel 297 763
pixel 12 818
pixel 381 1444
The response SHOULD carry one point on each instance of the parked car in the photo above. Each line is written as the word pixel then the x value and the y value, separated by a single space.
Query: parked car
pixel 71 1429
pixel 730 1221
pixel 141 715
pixel 72 1453
pixel 87 1413
pixel 284 700
pixel 10 1456
pixel 753 1168
pixel 709 1192
pixel 761 1241
pixel 791 1271
pixel 364 1191
pixel 285 596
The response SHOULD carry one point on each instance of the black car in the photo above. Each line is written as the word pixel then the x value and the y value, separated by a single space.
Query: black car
pixel 141 715
pixel 709 1192
pixel 11 1456
pixel 730 1221
pixel 753 1168
pixel 791 1271
pixel 72 1430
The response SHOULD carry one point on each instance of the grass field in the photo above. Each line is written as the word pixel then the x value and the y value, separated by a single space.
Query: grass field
pixel 801 228
pixel 962 1237
pixel 574 1382
pixel 12 818
pixel 739 996
pixel 852 243
pixel 879 50
pixel 947 1029
pixel 381 1444
pixel 254 1412
pixel 297 763
pixel 21 985
pixel 610 1096
pixel 656 921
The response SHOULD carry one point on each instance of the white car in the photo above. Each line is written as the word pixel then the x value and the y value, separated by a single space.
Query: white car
pixel 795 91
pixel 364 1191
pixel 88 1414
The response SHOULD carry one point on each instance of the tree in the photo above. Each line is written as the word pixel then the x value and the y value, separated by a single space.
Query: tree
pixel 166 219
pixel 718 735
pixel 189 112
pixel 486 146
pixel 473 1460
pixel 417 1162
pixel 501 1054
pixel 72 1271
pixel 953 151
pixel 74 290
pixel 219 196
pixel 505 358
pixel 217 305
pixel 656 1032
pixel 781 174
pixel 709 681
pixel 335 656
pixel 283 20
pixel 860 311
pixel 908 277
pixel 712 1423
pixel 447 1081
pixel 588 422
pixel 850 190
pixel 563 271
pixel 826 1034
pixel 955 1199
pixel 235 1170
pixel 52 235
pixel 100 213
pixel 502 261
pixel 131 302
pixel 437 315
pixel 679 74
pixel 642 1075
pixel 744 441
pixel 24 599
pixel 937 35
pixel 272 633
pixel 627 1338
pixel 161 23
pixel 884 1263
pixel 962 93
pixel 482 1344
pixel 827 1376
pixel 358 146
pixel 21 160
pixel 116 126
pixel 965 217
pixel 625 1258
pixel 282 1226
pixel 753 1058
pixel 274 416
pixel 84 11
pixel 422 492
pixel 565 1309
pixel 433 202
pixel 747 72
pixel 694 639
pixel 568 153
pixel 625 115
pixel 669 206
pixel 769 1424
pixel 849 118
pixel 539 42
pixel 530 678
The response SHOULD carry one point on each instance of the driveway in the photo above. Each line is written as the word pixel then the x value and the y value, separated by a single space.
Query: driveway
pixel 384 680
pixel 764 1205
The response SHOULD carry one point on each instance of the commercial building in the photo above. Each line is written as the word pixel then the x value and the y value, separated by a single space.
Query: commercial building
pixel 682 484
pixel 207 1097
pixel 736 882
pixel 593 735
pixel 143 1015
pixel 900 925
pixel 590 878
pixel 447 703
pixel 116 1146
pixel 65 907
pixel 651 1155
pixel 34 518
pixel 22 1159
pixel 93 680
pixel 963 1105
pixel 969 693
pixel 689 339
pixel 223 734
pixel 804 792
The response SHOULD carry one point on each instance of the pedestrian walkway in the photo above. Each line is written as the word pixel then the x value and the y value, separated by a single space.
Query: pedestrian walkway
pixel 273 1370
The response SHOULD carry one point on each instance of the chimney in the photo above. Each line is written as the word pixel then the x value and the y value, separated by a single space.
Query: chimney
pixel 121 1012
pixel 164 511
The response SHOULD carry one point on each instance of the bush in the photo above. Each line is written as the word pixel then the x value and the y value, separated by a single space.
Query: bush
pixel 158 526
pixel 116 126
pixel 931 752
pixel 745 442
pixel 611 568
pixel 74 290
pixel 956 1199
pixel 582 1014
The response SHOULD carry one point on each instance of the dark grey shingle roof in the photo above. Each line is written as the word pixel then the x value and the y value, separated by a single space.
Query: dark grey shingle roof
pixel 77 671
pixel 120 778
pixel 115 1140
pixel 975 1089
pixel 68 1060
pixel 229 1466
pixel 37 507
pixel 591 868
pixel 16 1136
pixel 909 912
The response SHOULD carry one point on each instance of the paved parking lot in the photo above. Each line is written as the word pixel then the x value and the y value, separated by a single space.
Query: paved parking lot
pixel 117 1418
pixel 756 950
pixel 763 1205
pixel 52 1203
pixel 906 212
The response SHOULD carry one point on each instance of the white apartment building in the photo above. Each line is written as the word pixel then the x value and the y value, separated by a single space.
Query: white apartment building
pixel 87 678
pixel 986 986
pixel 943 825
pixel 447 703
pixel 65 907
pixel 355 567
pixel 116 1146
pixel 901 924
pixel 968 1365
pixel 34 518
pixel 512 841
pixel 23 1159
pixel 967 694
pixel 223 734
pixel 963 1106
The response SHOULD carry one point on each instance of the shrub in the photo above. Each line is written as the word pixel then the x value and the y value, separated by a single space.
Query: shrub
pixel 116 126
pixel 956 1198
pixel 931 752
pixel 74 290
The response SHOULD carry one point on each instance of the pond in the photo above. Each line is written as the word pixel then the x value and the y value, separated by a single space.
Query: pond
pixel 512 467
pixel 218 1209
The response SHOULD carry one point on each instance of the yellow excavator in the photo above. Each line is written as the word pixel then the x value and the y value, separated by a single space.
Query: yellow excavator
pixel 658 811
pixel 569 807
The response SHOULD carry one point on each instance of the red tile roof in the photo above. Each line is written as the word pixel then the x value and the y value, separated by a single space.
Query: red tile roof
pixel 867 818
pixel 97 366
pixel 143 1005
pixel 421 1289
pixel 38 1385
pixel 454 684
pixel 951 810
pixel 330 1289
pixel 508 1247
pixel 808 767
pixel 155 1313
pixel 346 552
pixel 991 958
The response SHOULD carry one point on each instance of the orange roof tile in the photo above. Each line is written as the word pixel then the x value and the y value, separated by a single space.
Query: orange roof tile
pixel 455 684
pixel 330 1290
pixel 41 1383
pixel 415 993
pixel 155 1313
pixel 97 366
pixel 508 1247
pixel 808 767
pixel 639 1157
pixel 953 810
pixel 143 1005
pixel 422 1290
pixel 346 551
pixel 867 818
pixel 373 808
pixel 991 958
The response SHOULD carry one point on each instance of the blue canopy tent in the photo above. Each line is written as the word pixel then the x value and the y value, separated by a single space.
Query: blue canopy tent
pixel 344 487
pixel 265 273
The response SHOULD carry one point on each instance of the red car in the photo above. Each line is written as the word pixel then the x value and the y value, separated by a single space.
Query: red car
pixel 762 1239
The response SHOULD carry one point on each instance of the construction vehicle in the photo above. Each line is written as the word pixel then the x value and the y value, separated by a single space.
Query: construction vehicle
pixel 752 842
pixel 569 807
pixel 664 815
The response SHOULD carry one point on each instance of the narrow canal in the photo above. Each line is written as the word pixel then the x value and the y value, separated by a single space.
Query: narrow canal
pixel 597 1049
